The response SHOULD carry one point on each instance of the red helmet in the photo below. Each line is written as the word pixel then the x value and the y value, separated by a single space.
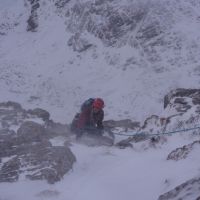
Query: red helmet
pixel 98 103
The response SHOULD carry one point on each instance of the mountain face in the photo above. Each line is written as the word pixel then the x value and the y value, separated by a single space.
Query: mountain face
pixel 140 56
pixel 34 147
pixel 134 45
pixel 151 28
pixel 59 53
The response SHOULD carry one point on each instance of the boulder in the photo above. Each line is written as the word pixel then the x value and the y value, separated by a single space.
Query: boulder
pixel 28 151
pixel 32 154
pixel 32 22
pixel 183 152
pixel 31 132
pixel 10 170
pixel 43 114
pixel 179 99
pixel 39 161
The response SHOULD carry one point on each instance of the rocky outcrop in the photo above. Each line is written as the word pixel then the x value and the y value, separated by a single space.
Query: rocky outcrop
pixel 147 28
pixel 155 124
pixel 182 107
pixel 61 3
pixel 37 161
pixel 12 115
pixel 182 101
pixel 186 191
pixel 33 18
pixel 183 152
pixel 31 132
pixel 28 151
pixel 40 113
pixel 179 99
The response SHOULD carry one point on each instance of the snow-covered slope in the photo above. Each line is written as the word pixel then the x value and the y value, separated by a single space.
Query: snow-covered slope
pixel 54 54
pixel 131 53
pixel 113 174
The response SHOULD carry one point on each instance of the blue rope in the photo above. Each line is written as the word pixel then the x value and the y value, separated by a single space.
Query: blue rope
pixel 157 134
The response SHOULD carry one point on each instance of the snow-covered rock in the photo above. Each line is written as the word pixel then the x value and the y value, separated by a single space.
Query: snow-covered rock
pixel 186 191
pixel 28 151
pixel 33 18
pixel 182 99
pixel 181 113
pixel 182 152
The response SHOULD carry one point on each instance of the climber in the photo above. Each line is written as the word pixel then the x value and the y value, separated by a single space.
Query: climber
pixel 90 117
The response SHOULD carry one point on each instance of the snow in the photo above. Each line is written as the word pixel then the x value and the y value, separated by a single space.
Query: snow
pixel 112 173
pixel 40 70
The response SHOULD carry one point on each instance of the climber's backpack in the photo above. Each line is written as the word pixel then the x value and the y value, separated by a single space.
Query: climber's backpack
pixel 87 104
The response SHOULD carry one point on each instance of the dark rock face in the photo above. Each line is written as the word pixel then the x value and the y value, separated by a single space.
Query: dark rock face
pixel 33 19
pixel 40 113
pixel 11 104
pixel 7 145
pixel 179 96
pixel 12 114
pixel 61 3
pixel 155 124
pixel 106 21
pixel 38 161
pixel 185 107
pixel 182 152
pixel 29 151
pixel 147 27
pixel 9 171
pixel 48 163
pixel 186 191
pixel 31 132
